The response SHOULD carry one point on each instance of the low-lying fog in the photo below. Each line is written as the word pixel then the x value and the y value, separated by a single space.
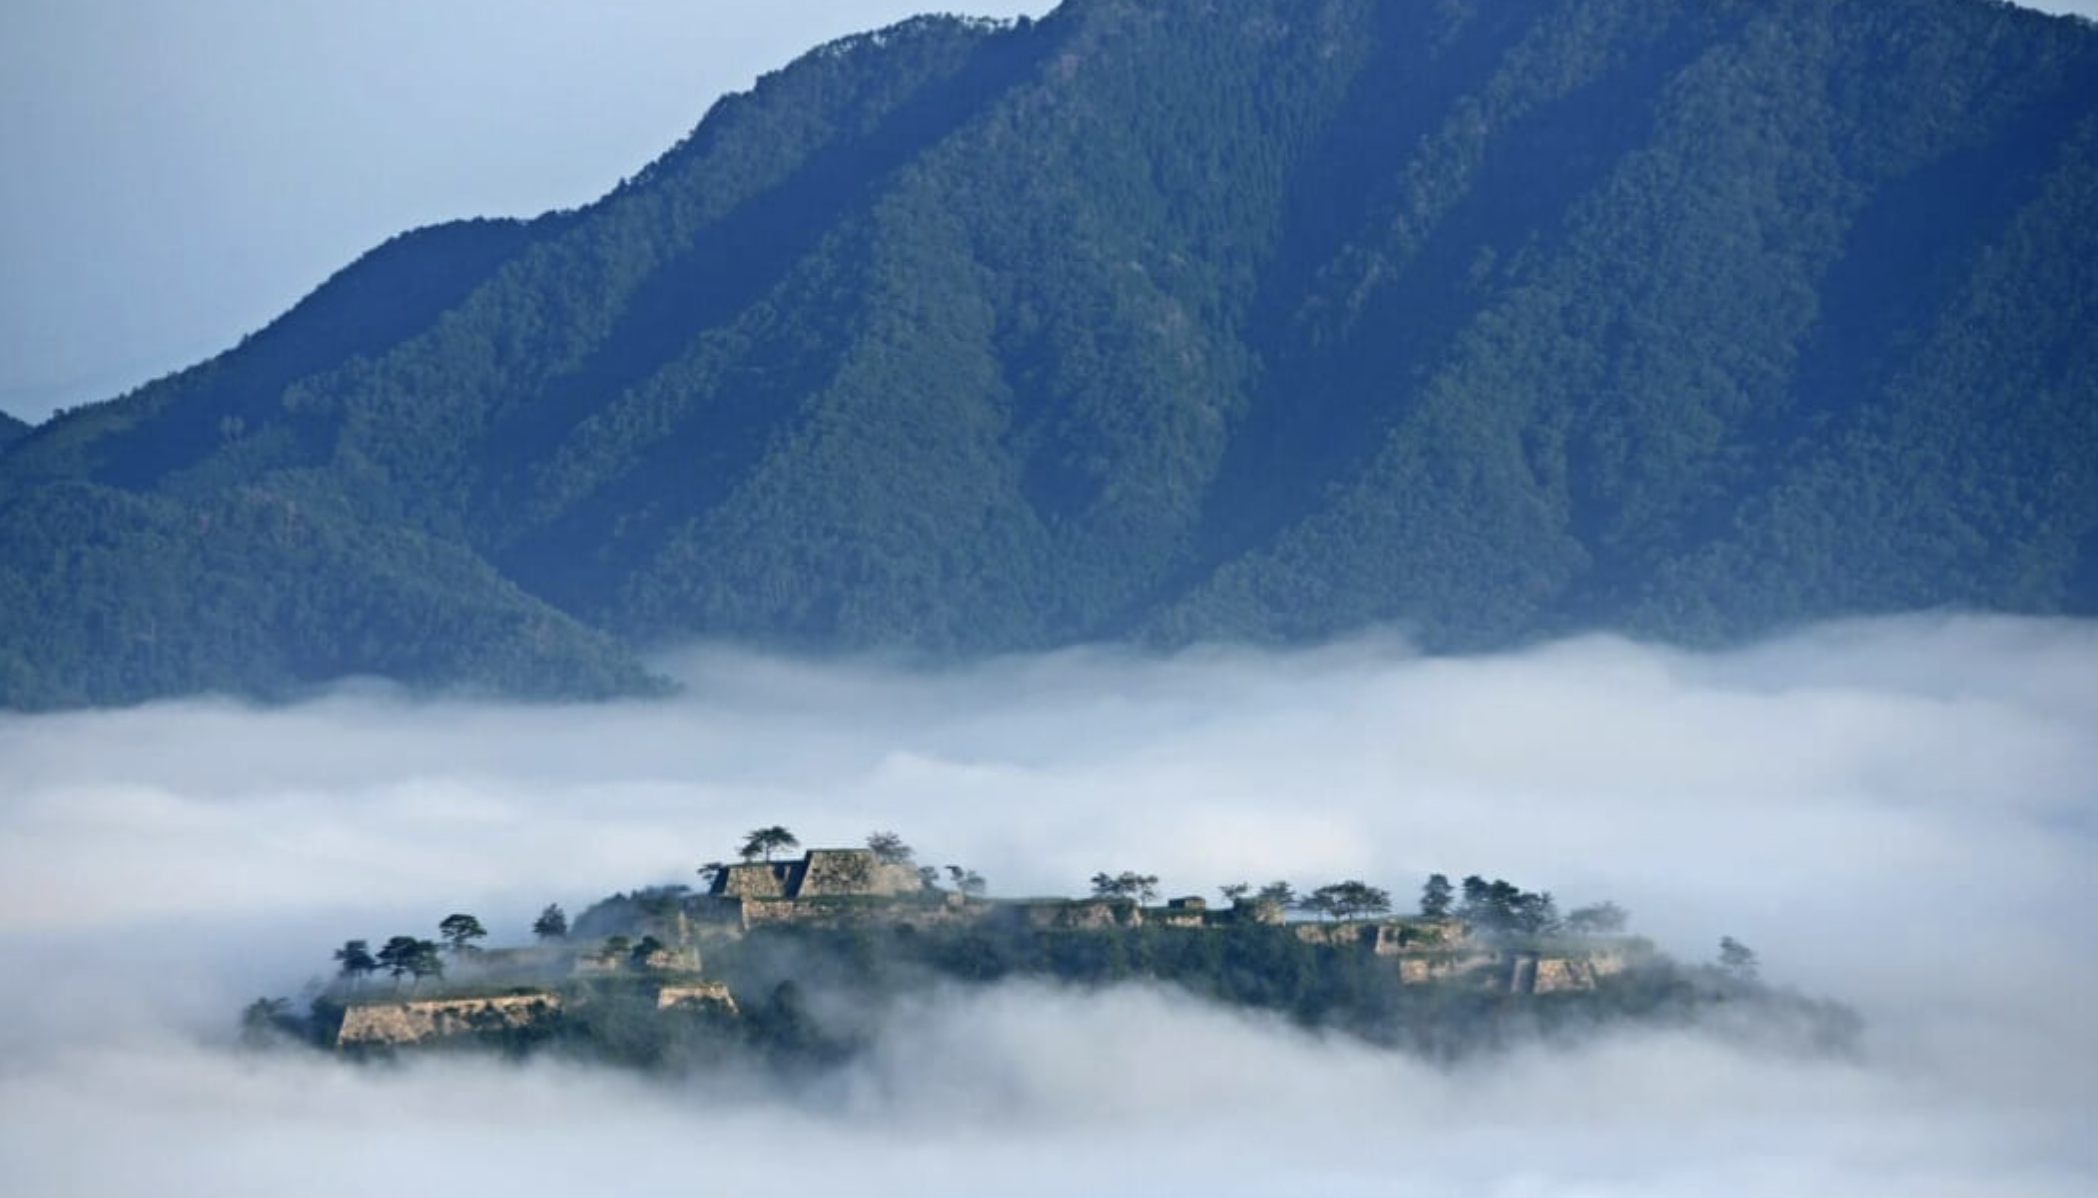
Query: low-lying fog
pixel 1898 814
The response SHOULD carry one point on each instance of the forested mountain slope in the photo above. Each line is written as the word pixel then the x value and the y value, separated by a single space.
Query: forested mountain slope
pixel 1155 320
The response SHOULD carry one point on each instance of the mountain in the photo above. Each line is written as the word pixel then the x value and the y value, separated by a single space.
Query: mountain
pixel 1158 321
pixel 11 429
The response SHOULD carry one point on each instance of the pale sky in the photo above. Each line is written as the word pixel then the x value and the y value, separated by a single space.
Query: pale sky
pixel 179 172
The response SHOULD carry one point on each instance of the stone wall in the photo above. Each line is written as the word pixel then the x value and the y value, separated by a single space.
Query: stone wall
pixel 834 872
pixel 1558 974
pixel 1336 935
pixel 696 994
pixel 951 911
pixel 673 960
pixel 1078 914
pixel 756 879
pixel 429 1019
pixel 1253 910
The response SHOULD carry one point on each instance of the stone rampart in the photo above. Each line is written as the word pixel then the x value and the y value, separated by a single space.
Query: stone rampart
pixel 863 911
pixel 755 879
pixel 836 872
pixel 428 1019
pixel 696 995
pixel 1078 915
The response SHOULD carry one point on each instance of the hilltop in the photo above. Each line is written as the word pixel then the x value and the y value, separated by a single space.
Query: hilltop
pixel 1155 322
pixel 795 960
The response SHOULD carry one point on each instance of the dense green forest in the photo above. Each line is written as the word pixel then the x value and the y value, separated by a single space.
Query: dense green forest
pixel 1491 318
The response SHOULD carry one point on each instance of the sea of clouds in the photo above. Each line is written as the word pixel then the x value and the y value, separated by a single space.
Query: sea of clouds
pixel 1900 814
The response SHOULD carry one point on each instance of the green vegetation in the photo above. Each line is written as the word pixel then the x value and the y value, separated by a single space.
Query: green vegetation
pixel 552 923
pixel 1126 885
pixel 1154 321
pixel 460 931
pixel 406 956
pixel 762 843
pixel 667 978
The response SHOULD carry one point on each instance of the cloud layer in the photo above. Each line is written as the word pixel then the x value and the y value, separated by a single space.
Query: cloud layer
pixel 1896 813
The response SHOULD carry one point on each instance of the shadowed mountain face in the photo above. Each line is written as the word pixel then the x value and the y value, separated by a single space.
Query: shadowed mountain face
pixel 1161 321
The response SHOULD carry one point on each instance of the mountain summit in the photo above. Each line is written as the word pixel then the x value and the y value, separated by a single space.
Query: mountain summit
pixel 1161 321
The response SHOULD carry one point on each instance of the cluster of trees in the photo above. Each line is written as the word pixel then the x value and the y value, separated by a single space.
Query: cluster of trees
pixel 890 849
pixel 1498 906
pixel 401 956
pixel 1502 907
pixel 1495 907
pixel 1346 900
pixel 1352 899
pixel 1247 964
pixel 627 951
pixel 417 958
pixel 1126 885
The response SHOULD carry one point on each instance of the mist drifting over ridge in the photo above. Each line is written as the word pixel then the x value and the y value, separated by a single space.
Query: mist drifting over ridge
pixel 1896 813
pixel 1160 323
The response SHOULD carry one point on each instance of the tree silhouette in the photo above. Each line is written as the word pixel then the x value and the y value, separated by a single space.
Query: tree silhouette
pixel 1737 960
pixel 460 931
pixel 1598 919
pixel 357 961
pixel 763 842
pixel 1348 900
pixel 889 847
pixel 642 955
pixel 405 955
pixel 1437 897
pixel 1127 884
pixel 552 923
pixel 1279 896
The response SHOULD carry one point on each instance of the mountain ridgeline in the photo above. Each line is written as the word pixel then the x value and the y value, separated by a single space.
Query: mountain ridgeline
pixel 1154 321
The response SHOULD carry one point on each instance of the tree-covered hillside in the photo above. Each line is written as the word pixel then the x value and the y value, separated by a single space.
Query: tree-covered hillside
pixel 1163 321
pixel 11 429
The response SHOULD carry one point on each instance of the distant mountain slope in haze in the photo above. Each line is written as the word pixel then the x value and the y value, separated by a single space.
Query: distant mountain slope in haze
pixel 11 429
pixel 1495 318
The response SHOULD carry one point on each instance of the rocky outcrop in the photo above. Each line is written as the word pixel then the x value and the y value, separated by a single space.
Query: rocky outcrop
pixel 429 1019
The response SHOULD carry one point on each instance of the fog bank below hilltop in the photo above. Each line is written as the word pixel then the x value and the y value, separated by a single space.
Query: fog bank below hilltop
pixel 1897 814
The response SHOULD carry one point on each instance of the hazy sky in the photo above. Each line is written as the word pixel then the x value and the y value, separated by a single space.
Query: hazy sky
pixel 178 172
pixel 1901 814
